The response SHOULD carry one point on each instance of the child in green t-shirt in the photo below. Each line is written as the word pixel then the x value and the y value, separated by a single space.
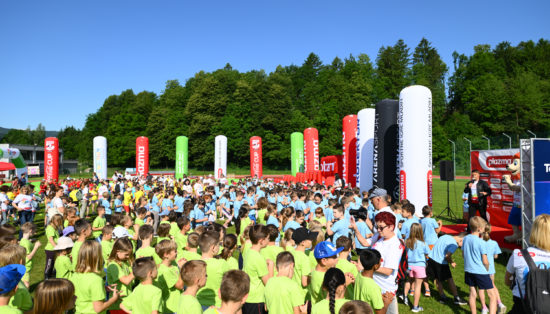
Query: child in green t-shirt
pixel 63 265
pixel 193 274
pixel 168 279
pixel 145 298
pixel 10 276
pixel 258 269
pixel 233 292
pixel 28 229
pixel 184 225
pixel 52 231
pixel 83 230
pixel 106 241
pixel 303 238
pixel 345 265
pixel 334 286
pixel 284 295
pixel 366 288
pixel 190 252
pixel 229 246
pixel 141 213
pixel 119 271
pixel 146 236
pixel 215 268
pixel 99 222
pixel 163 232
pixel 174 229
pixel 15 254
pixel 271 250
pixel 326 255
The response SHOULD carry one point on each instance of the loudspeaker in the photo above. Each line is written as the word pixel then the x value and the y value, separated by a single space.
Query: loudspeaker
pixel 446 170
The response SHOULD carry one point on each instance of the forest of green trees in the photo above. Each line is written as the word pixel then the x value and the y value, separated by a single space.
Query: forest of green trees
pixel 495 90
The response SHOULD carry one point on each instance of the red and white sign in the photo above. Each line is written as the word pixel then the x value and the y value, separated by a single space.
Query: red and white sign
pixel 142 155
pixel 331 165
pixel 256 156
pixel 492 166
pixel 311 149
pixel 349 149
pixel 51 159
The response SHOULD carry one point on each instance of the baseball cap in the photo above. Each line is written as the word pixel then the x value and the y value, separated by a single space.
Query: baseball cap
pixel 10 275
pixel 302 234
pixel 326 249
pixel 63 243
pixel 120 232
pixel 68 230
pixel 377 192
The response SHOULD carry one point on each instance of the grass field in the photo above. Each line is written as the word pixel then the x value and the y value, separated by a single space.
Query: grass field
pixel 430 304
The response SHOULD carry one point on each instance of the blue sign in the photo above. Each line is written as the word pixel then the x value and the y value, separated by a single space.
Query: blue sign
pixel 541 163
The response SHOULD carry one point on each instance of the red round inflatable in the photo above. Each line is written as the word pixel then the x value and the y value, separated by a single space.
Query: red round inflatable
pixel 51 159
pixel 142 155
pixel 256 156
pixel 349 150
pixel 311 149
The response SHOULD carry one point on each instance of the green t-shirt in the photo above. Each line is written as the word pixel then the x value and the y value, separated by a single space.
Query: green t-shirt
pixel 321 220
pixel 6 309
pixel 315 287
pixel 283 294
pixel 63 267
pixel 261 216
pixel 22 299
pixel 139 221
pixel 181 240
pixel 232 263
pixel 174 229
pixel 99 222
pixel 312 260
pixel 65 224
pixel 301 268
pixel 348 267
pixel 114 272
pixel 74 252
pixel 271 252
pixel 255 266
pixel 208 295
pixel 144 300
pixel 28 265
pixel 368 291
pixel 148 251
pixel 159 239
pixel 189 304
pixel 322 307
pixel 212 310
pixel 51 232
pixel 106 248
pixel 88 288
pixel 166 280
pixel 189 256
pixel 245 222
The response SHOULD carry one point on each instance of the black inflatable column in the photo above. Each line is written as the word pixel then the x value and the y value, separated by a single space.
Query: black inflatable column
pixel 385 172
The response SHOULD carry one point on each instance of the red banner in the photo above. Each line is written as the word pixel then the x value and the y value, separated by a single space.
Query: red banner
pixel 142 155
pixel 311 149
pixel 492 166
pixel 256 156
pixel 349 149
pixel 51 159
pixel 331 165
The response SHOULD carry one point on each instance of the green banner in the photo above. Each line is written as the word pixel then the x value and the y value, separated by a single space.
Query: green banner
pixel 297 152
pixel 182 154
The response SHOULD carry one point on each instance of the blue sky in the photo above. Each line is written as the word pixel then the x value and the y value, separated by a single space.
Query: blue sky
pixel 59 60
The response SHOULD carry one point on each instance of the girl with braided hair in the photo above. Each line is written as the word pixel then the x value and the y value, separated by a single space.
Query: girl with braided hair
pixel 335 285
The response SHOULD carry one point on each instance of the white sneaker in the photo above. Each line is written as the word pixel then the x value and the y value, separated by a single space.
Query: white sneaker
pixel 484 310
pixel 501 309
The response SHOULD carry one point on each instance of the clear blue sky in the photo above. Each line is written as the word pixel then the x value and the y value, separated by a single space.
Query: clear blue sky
pixel 59 60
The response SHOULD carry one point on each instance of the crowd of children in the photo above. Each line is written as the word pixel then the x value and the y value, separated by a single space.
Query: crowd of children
pixel 161 246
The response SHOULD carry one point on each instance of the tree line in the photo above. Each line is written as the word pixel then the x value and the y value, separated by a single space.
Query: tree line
pixel 495 90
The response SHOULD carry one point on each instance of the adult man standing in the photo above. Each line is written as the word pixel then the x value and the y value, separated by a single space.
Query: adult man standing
pixel 477 190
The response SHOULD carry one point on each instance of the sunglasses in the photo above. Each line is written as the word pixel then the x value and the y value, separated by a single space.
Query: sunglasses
pixel 380 228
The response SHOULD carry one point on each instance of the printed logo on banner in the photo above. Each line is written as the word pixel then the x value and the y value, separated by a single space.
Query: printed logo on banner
pixel 255 144
pixel 344 157
pixel 316 155
pixel 430 196
pixel 402 185
pixel 141 160
pixel 50 145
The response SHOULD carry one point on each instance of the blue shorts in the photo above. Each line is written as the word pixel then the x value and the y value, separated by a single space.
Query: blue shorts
pixel 476 280
pixel 514 218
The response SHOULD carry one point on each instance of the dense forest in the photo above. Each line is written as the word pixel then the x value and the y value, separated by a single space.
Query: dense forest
pixel 495 90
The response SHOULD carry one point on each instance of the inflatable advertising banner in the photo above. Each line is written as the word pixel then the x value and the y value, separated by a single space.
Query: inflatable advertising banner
pixel 415 146
pixel 385 172
pixel 220 156
pixel 541 165
pixel 100 157
pixel 182 155
pixel 311 149
pixel 16 159
pixel 51 159
pixel 349 149
pixel 297 152
pixel 365 145
pixel 256 156
pixel 331 165
pixel 492 166
pixel 142 155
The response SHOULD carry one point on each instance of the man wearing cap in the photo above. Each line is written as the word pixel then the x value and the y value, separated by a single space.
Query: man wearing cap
pixel 10 276
pixel 303 238
pixel 326 255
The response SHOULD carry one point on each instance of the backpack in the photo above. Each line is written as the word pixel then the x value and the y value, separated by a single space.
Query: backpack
pixel 403 270
pixel 117 189
pixel 537 287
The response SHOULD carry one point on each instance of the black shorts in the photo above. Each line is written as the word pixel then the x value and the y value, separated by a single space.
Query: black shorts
pixel 441 272
pixel 483 282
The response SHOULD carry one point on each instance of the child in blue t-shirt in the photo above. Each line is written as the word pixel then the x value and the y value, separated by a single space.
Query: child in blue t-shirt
pixel 362 232
pixel 340 227
pixel 118 203
pixel 105 202
pixel 440 257
pixel 493 250
pixel 417 251
pixel 408 213
pixel 430 227
pixel 476 265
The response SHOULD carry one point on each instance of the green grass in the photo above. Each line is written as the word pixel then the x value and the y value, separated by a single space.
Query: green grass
pixel 430 304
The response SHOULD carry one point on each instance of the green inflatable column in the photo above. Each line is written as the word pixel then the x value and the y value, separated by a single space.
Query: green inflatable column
pixel 297 152
pixel 182 154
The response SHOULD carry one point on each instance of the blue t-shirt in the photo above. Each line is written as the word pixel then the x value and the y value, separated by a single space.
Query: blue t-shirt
pixel 237 206
pixel 474 248
pixel 250 200
pixel 299 205
pixel 445 244
pixel 107 206
pixel 428 228
pixel 233 195
pixel 166 203
pixel 178 201
pixel 417 256
pixel 197 214
pixel 154 204
pixel 280 205
pixel 118 205
pixel 272 199
pixel 224 202
pixel 291 225
pixel 363 230
pixel 211 206
pixel 340 228
pixel 272 221
pixel 329 213
pixel 492 250
pixel 406 227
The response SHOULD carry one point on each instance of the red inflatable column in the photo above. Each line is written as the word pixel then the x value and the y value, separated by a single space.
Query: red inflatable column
pixel 349 151
pixel 51 159
pixel 311 149
pixel 256 156
pixel 142 155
